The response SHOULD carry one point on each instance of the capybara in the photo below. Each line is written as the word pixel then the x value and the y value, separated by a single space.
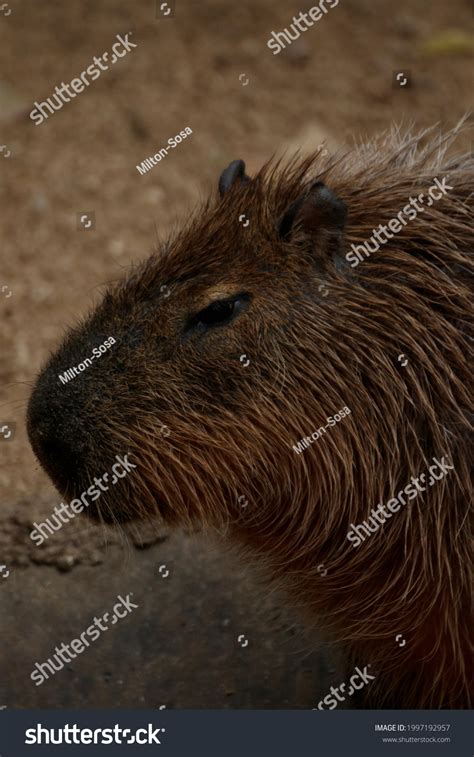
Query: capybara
pixel 286 372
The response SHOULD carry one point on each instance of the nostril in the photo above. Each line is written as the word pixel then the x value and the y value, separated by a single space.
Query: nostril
pixel 52 449
pixel 55 454
pixel 50 443
pixel 36 422
pixel 35 428
pixel 41 437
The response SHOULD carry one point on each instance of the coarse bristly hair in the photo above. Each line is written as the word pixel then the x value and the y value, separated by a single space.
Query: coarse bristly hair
pixel 211 414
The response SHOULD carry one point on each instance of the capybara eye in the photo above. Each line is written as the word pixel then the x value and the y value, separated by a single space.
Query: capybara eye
pixel 219 312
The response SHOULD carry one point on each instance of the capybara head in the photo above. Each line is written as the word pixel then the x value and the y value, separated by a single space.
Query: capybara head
pixel 291 361
pixel 203 334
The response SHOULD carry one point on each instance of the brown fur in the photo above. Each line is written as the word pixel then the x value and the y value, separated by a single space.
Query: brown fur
pixel 232 427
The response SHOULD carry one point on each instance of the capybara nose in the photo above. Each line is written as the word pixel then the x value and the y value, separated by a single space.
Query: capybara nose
pixel 54 439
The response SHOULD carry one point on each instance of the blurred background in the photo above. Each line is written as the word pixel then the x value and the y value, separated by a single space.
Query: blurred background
pixel 204 65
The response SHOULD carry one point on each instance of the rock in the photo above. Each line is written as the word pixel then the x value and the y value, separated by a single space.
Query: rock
pixel 65 563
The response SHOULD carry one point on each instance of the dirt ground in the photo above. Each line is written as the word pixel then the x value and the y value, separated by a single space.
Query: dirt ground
pixel 208 68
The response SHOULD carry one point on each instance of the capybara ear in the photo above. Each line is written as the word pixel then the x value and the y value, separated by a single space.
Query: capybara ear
pixel 235 171
pixel 318 210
